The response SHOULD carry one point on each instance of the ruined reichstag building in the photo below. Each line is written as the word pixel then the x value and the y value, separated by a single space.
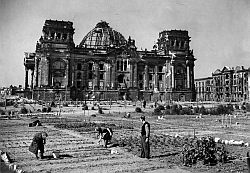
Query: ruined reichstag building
pixel 107 66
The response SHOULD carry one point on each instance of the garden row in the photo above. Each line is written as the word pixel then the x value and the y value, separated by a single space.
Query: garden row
pixel 176 109
pixel 89 126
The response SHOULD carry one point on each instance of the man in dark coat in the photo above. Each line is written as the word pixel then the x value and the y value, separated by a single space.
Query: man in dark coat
pixel 145 132
pixel 144 103
pixel 38 142
pixel 105 134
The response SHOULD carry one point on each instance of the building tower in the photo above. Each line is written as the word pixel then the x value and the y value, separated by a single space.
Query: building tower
pixel 29 63
pixel 53 52
pixel 179 66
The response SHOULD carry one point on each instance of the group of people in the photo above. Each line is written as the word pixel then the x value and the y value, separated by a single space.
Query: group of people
pixel 105 135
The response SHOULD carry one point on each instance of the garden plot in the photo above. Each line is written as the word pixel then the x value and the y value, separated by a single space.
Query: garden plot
pixel 79 151
pixel 184 125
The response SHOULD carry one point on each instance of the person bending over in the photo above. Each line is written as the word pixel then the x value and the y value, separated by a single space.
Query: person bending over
pixel 38 142
pixel 105 135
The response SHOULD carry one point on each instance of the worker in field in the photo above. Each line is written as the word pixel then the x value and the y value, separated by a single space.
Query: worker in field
pixel 38 142
pixel 105 135
pixel 145 134
pixel 144 104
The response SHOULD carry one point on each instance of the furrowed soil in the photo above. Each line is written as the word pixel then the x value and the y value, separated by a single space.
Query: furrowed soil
pixel 74 136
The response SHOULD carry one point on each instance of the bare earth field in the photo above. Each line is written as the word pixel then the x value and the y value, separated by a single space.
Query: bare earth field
pixel 81 153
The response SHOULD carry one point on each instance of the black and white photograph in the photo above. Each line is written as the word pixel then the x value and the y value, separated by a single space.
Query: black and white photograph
pixel 112 86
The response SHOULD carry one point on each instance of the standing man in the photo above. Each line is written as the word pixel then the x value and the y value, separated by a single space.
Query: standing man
pixel 145 132
pixel 144 104
pixel 38 142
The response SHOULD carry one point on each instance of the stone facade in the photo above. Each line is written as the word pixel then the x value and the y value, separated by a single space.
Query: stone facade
pixel 204 89
pixel 107 66
pixel 227 84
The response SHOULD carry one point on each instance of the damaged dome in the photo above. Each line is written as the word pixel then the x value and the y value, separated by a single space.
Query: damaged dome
pixel 102 36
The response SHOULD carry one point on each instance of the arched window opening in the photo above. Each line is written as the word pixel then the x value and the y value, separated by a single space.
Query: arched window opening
pixel 79 66
pixel 79 75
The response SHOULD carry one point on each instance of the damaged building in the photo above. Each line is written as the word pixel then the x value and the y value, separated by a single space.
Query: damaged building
pixel 106 65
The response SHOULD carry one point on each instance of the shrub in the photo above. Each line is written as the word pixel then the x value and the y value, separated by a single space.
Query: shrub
pixel 175 110
pixel 65 104
pixel 202 110
pixel 168 107
pixel 157 111
pixel 247 107
pixel 186 111
pixel 44 109
pixel 167 112
pixel 24 110
pixel 161 107
pixel 84 107
pixel 230 108
pixel 196 109
pixel 2 112
pixel 52 104
pixel 224 109
pixel 92 108
pixel 213 111
pixel 49 109
pixel 138 110
pixel 204 149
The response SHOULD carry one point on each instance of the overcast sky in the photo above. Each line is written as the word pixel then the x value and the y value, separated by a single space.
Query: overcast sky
pixel 219 29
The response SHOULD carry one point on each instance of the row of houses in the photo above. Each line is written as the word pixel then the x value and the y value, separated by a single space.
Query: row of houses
pixel 227 84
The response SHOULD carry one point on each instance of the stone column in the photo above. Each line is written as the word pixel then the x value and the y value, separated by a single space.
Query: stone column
pixel 96 76
pixel 61 36
pixel 73 78
pixel 67 36
pixel 127 66
pixel 131 70
pixel 146 77
pixel 164 78
pixel 156 83
pixel 36 71
pixel 135 76
pixel 32 78
pixel 172 77
pixel 49 72
pixel 113 75
pixel 188 76
pixel 26 78
pixel 107 75
pixel 67 73
pixel 191 72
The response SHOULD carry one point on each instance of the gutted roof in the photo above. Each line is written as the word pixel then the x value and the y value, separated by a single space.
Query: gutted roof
pixel 102 36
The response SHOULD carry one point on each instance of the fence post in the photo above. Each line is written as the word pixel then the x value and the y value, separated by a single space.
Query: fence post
pixel 248 162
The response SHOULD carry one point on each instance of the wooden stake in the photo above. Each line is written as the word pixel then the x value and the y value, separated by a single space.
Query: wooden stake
pixel 248 162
